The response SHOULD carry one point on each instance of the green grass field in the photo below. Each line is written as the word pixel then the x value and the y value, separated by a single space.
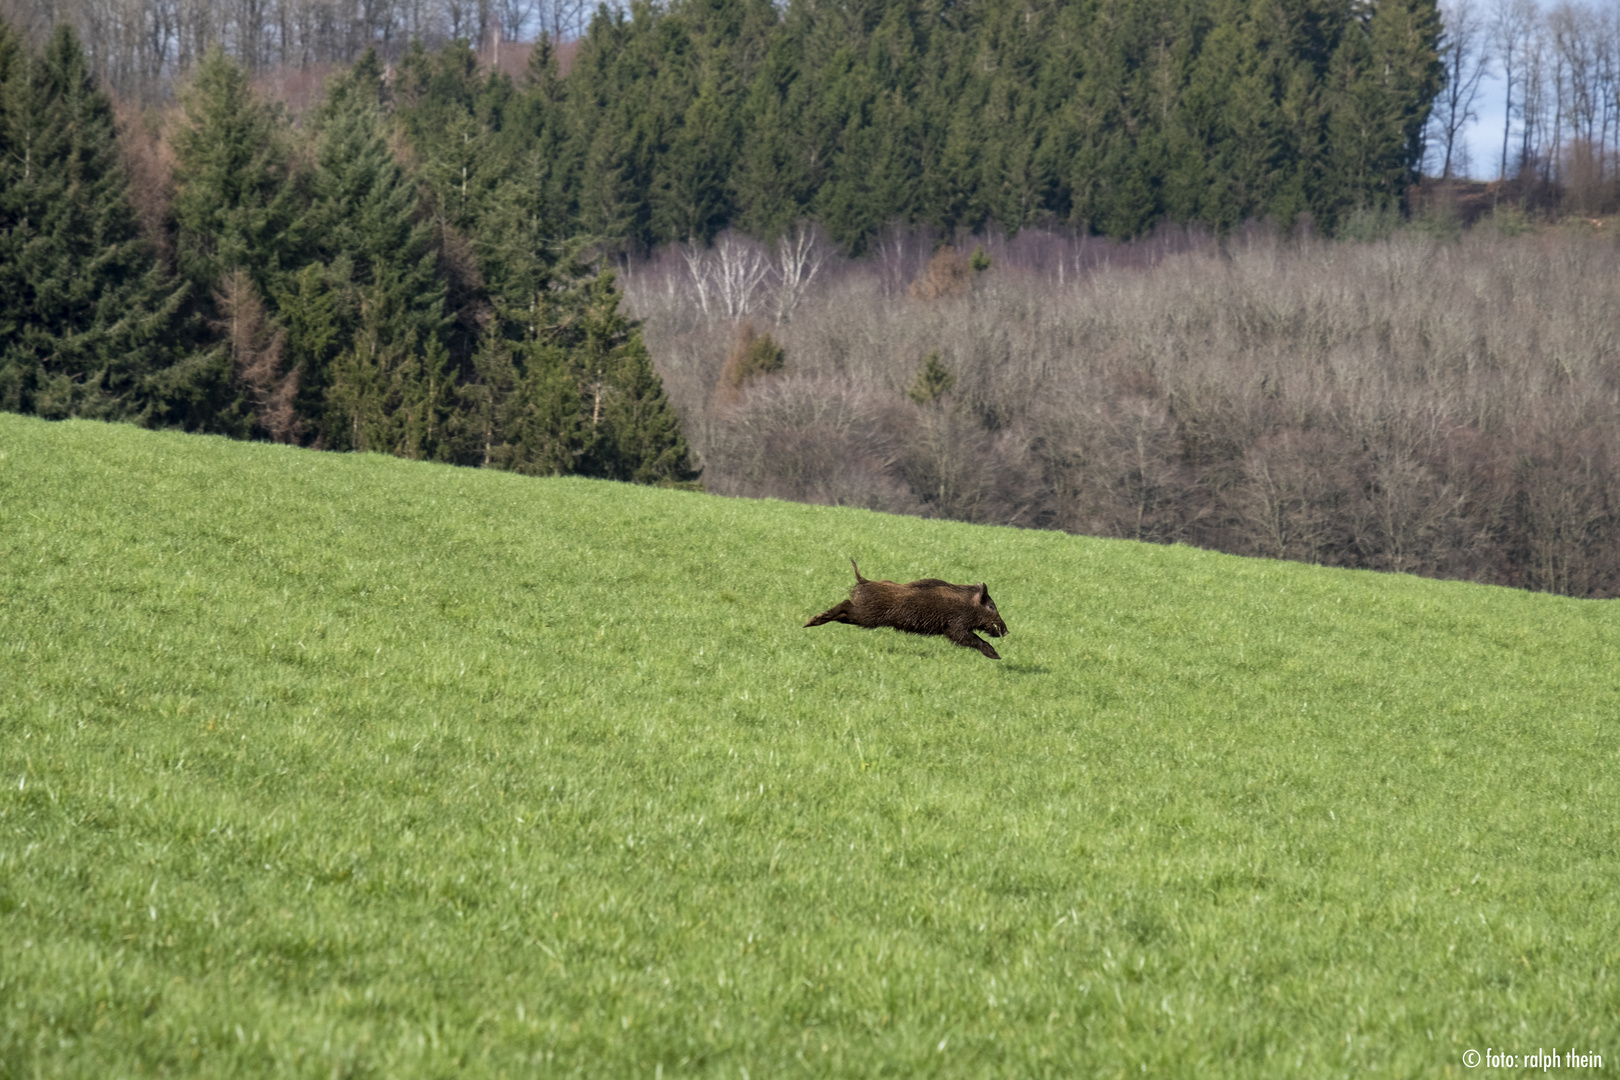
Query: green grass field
pixel 320 765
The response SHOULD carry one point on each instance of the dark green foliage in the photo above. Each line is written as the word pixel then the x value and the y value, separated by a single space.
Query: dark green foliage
pixel 350 293
pixel 520 407
pixel 411 278
pixel 314 309
pixel 633 431
pixel 538 121
pixel 1112 114
pixel 559 381
pixel 454 117
pixel 235 199
pixel 390 387
pixel 88 318
pixel 934 380
pixel 521 410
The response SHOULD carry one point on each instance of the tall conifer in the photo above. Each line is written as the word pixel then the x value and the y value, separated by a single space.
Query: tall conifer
pixel 88 317
pixel 236 202
pixel 632 431
pixel 390 388
pixel 235 196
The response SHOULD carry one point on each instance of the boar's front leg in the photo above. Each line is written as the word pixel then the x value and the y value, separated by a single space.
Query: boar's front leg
pixel 969 640
pixel 833 614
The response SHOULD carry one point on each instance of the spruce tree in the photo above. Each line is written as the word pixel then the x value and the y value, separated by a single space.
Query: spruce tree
pixel 1229 131
pixel 520 407
pixel 1405 40
pixel 1381 82
pixel 236 202
pixel 315 308
pixel 633 433
pixel 236 196
pixel 539 130
pixel 690 196
pixel 390 387
pixel 1110 114
pixel 88 317
pixel 612 135
pixel 454 118
pixel 781 161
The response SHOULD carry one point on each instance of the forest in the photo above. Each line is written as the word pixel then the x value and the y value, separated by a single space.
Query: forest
pixel 679 120
pixel 406 263
pixel 1190 293
pixel 326 284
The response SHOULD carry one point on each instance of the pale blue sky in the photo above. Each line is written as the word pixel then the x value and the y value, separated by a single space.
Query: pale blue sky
pixel 1484 137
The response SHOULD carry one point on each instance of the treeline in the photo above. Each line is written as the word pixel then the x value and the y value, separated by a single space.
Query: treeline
pixel 697 115
pixel 679 120
pixel 1424 403
pixel 382 277
pixel 140 49
pixel 1558 66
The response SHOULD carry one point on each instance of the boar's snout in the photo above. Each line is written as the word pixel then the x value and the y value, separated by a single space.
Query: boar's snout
pixel 991 622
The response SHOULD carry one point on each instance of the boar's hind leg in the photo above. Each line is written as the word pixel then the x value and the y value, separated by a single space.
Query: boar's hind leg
pixel 969 640
pixel 833 614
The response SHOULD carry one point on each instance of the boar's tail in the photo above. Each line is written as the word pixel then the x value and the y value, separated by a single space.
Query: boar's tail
pixel 858 579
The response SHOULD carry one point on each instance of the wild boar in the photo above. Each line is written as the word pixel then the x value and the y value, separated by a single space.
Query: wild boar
pixel 929 606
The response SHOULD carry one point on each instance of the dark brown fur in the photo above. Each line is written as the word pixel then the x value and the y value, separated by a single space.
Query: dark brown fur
pixel 929 606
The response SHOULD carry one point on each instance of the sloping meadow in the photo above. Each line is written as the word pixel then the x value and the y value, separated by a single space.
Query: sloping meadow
pixel 343 765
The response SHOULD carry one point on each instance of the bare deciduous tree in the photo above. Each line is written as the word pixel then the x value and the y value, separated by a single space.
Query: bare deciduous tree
pixel 1512 24
pixel 800 254
pixel 741 268
pixel 1464 50
pixel 139 47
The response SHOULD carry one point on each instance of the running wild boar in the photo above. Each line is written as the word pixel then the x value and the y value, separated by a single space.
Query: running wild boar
pixel 929 606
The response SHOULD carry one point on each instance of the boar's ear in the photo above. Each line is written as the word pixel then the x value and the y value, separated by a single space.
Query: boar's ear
pixel 980 594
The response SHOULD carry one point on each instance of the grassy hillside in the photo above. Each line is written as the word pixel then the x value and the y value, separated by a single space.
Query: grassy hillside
pixel 331 765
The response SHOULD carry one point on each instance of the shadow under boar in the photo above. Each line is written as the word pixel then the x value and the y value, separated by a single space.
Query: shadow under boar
pixel 929 606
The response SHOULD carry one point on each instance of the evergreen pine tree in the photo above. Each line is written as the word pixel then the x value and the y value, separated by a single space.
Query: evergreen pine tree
pixel 88 318
pixel 1230 127
pixel 454 118
pixel 236 201
pixel 1381 82
pixel 520 409
pixel 1012 187
pixel 613 132
pixel 1405 39
pixel 782 157
pixel 697 115
pixel 633 432
pixel 690 196
pixel 876 176
pixel 539 132
pixel 314 307
pixel 390 388
pixel 235 194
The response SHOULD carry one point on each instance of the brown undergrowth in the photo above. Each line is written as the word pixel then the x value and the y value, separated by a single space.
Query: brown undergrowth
pixel 1413 404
